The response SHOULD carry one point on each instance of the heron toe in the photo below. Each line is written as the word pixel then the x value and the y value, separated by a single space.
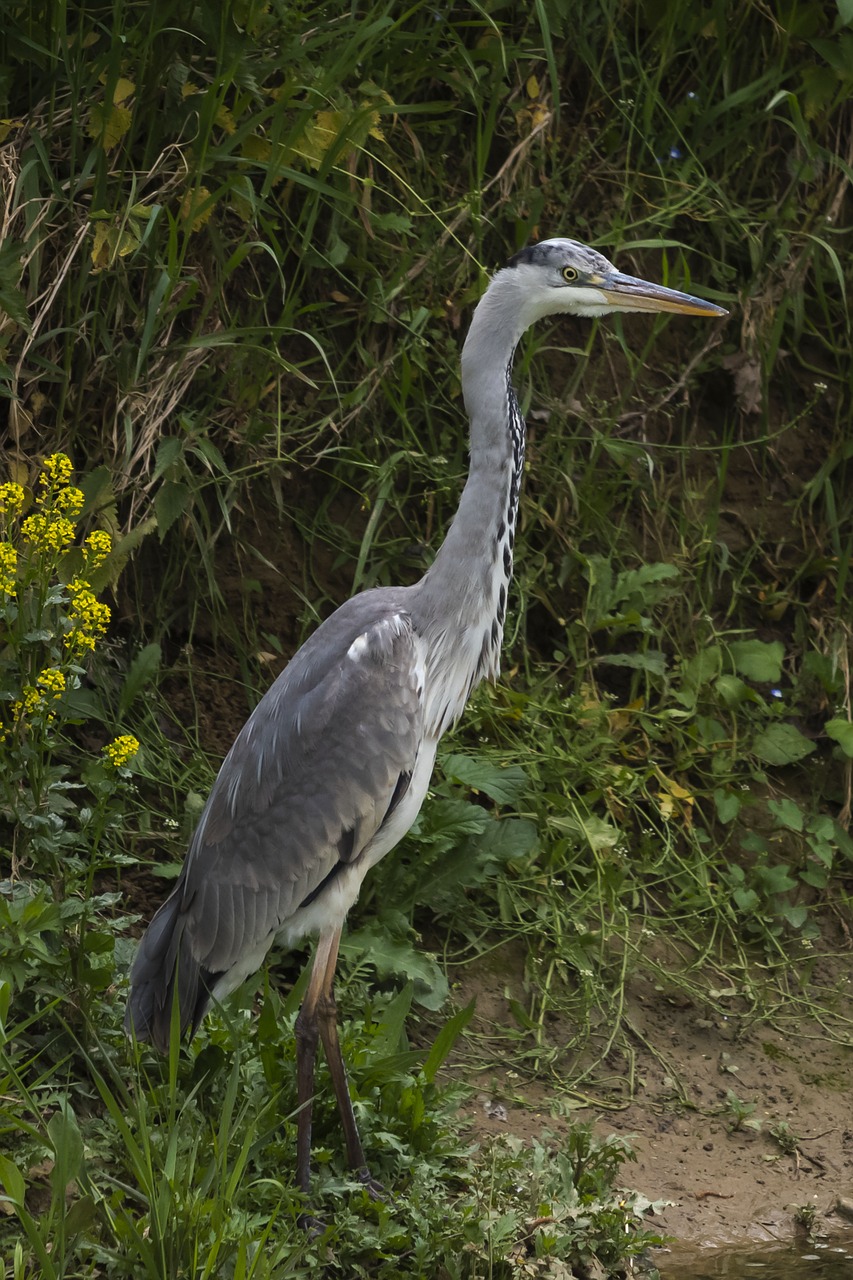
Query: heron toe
pixel 311 1225
pixel 374 1189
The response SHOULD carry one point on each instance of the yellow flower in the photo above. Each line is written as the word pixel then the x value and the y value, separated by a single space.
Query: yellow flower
pixel 79 642
pixel 52 682
pixel 11 498
pixel 89 617
pixel 8 568
pixel 120 750
pixel 70 500
pixel 56 470
pixel 48 533
pixel 30 701
pixel 96 548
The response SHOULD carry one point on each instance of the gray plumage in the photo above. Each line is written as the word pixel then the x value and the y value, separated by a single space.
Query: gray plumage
pixel 331 768
pixel 269 837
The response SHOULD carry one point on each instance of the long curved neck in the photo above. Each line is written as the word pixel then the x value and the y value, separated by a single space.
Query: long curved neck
pixel 484 523
pixel 462 597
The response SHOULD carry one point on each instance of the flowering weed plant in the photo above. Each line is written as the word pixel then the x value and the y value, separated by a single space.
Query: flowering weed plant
pixel 57 801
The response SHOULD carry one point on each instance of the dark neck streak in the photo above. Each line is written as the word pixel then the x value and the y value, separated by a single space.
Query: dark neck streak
pixel 462 599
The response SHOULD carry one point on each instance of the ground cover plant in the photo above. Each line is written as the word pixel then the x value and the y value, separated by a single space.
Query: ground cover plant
pixel 239 248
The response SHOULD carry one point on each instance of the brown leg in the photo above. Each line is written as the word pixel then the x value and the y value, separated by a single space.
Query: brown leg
pixel 327 1016
pixel 307 1034
pixel 318 1016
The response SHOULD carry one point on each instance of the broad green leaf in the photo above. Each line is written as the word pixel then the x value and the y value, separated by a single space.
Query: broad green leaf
pixel 207 450
pixel 698 671
pixel 446 820
pixel 628 453
pixel 387 1039
pixel 843 840
pixel 320 135
pixel 757 659
pixel 841 731
pixel 169 450
pixel 648 584
pixel 338 251
pixel 710 731
pixel 652 660
pixel 795 914
pixel 398 222
pixel 787 812
pixel 822 827
pixel 504 785
pixel 394 956
pixel 12 1181
pixel 170 502
pixel 733 691
pixel 823 851
pixel 128 542
pixel 781 744
pixel 745 899
pixel 600 835
pixel 521 1015
pixel 80 1216
pixel 507 839
pixel 752 842
pixel 776 879
pixel 97 489
pixel 141 672
pixel 727 804
pixel 67 1143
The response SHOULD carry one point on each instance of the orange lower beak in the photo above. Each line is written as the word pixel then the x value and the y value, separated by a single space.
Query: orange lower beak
pixel 627 293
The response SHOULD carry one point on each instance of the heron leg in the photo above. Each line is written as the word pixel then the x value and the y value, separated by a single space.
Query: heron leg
pixel 328 1019
pixel 318 1018
pixel 307 1032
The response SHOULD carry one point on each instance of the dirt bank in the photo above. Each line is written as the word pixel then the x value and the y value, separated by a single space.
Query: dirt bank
pixel 744 1131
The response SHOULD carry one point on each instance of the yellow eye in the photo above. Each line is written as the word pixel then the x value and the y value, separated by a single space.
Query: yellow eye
pixel 570 275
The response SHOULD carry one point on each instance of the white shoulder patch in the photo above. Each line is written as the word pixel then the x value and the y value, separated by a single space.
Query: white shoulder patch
pixel 378 640
pixel 358 648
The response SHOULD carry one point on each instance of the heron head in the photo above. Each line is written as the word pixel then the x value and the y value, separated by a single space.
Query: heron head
pixel 565 276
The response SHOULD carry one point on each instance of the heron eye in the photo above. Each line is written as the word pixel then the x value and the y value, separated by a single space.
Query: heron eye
pixel 570 274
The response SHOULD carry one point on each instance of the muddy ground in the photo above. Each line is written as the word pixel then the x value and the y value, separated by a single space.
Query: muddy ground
pixel 718 1177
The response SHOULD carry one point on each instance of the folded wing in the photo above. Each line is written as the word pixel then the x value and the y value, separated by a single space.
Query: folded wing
pixel 312 776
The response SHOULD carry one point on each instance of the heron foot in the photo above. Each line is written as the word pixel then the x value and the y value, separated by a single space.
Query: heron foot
pixel 374 1189
pixel 311 1225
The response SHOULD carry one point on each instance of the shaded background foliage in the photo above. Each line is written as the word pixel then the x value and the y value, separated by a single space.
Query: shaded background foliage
pixel 240 244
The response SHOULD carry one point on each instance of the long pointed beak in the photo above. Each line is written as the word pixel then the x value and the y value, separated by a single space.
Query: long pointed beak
pixel 627 293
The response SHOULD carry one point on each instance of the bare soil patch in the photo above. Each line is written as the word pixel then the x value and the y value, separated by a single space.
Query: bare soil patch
pixel 721 1182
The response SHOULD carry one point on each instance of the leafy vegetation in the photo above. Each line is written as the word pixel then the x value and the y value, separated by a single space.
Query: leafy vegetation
pixel 239 245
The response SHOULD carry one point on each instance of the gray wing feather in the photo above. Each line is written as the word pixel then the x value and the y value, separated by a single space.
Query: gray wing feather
pixel 306 785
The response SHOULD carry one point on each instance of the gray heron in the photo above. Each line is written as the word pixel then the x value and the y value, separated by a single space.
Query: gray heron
pixel 330 770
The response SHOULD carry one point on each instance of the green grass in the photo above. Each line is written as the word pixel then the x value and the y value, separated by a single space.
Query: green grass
pixel 241 245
